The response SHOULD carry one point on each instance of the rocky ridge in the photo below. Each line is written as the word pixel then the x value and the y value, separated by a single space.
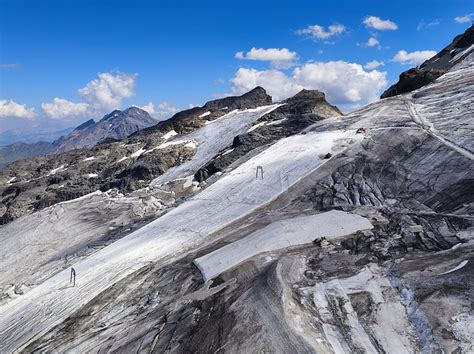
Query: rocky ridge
pixel 434 67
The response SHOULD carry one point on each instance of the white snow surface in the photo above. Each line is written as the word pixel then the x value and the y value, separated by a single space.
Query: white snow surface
pixel 54 170
pixel 205 114
pixel 279 235
pixel 188 143
pixel 459 266
pixel 212 138
pixel 89 158
pixel 258 125
pixel 234 196
pixel 138 153
pixel 170 134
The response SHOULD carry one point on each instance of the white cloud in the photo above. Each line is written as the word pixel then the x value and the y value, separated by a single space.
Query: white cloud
pixel 374 64
pixel 150 108
pixel 279 57
pixel 101 96
pixel 62 109
pixel 379 24
pixel 107 92
pixel 413 58
pixel 9 108
pixel 423 25
pixel 344 83
pixel 372 42
pixel 464 19
pixel 318 32
pixel 162 111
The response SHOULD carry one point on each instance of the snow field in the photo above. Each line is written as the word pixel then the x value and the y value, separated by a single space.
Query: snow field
pixel 279 235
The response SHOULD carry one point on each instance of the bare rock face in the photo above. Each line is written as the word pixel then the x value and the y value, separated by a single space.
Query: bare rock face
pixel 433 68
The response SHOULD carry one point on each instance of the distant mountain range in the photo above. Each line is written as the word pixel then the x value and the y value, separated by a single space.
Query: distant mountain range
pixel 115 125
pixel 12 136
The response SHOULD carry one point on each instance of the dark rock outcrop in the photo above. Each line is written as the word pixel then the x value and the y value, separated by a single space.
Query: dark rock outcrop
pixel 434 67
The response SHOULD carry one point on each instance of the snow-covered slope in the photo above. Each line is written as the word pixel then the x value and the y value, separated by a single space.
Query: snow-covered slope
pixel 211 139
pixel 229 199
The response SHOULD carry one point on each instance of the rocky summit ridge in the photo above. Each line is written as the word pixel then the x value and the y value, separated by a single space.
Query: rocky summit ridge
pixel 414 78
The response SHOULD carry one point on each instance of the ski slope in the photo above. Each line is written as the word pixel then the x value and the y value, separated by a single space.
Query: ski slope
pixel 187 227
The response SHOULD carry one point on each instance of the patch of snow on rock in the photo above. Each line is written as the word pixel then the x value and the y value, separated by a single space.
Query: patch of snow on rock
pixel 170 134
pixel 205 114
pixel 459 266
pixel 138 153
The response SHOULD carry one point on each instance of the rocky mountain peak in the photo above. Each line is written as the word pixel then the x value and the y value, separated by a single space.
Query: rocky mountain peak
pixel 305 94
pixel 191 119
pixel 116 125
pixel 115 113
pixel 130 112
pixel 85 125
pixel 254 98
pixel 311 102
pixel 431 69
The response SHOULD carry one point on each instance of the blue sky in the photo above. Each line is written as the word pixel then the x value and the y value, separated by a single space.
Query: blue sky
pixel 176 53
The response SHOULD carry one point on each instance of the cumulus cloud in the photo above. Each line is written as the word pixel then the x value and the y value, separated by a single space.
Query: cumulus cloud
pixel 379 24
pixel 413 58
pixel 374 64
pixel 318 32
pixel 162 111
pixel 464 19
pixel 62 109
pixel 11 109
pixel 149 108
pixel 344 83
pixel 101 96
pixel 372 42
pixel 279 57
pixel 107 92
